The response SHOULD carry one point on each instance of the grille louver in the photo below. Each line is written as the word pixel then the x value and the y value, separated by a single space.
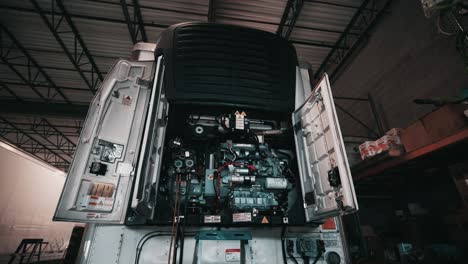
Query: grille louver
pixel 225 64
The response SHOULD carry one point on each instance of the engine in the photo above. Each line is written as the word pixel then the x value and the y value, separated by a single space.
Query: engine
pixel 221 170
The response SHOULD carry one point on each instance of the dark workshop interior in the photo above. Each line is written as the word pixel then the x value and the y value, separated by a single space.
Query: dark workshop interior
pixel 222 131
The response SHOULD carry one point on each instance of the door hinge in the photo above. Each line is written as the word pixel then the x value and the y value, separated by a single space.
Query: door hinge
pixel 145 83
pixel 318 96
pixel 297 127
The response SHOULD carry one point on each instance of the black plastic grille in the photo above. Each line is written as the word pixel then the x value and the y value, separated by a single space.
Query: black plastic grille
pixel 233 65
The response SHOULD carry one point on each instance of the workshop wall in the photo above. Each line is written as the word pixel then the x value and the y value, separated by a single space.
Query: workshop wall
pixel 405 58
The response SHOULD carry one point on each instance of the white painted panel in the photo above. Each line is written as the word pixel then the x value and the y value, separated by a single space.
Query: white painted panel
pixel 122 244
pixel 29 192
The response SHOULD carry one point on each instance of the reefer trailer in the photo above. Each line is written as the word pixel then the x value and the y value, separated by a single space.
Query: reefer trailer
pixel 210 147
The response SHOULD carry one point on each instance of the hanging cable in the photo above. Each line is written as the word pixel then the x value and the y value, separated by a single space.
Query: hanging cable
pixel 443 16
pixel 319 255
pixel 291 256
pixel 283 231
pixel 174 218
pixel 182 233
pixel 233 154
pixel 320 249
pixel 290 248
pixel 147 237
pixel 177 229
pixel 176 244
pixel 143 241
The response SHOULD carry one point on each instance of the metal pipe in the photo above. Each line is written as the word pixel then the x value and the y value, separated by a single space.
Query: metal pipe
pixel 356 119
pixel 375 114
pixel 211 162
pixel 350 98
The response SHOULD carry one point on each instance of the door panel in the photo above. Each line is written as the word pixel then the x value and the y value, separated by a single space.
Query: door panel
pixel 147 174
pixel 101 174
pixel 326 181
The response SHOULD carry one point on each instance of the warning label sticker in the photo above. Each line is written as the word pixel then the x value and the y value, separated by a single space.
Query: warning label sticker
pixel 241 217
pixel 209 219
pixel 126 100
pixel 239 122
pixel 95 216
pixel 233 255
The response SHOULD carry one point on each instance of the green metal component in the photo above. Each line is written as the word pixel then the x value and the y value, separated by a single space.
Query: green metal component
pixel 209 186
pixel 246 199
pixel 223 235
pixel 195 189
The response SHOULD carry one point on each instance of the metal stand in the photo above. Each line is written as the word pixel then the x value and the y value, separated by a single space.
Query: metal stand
pixel 28 248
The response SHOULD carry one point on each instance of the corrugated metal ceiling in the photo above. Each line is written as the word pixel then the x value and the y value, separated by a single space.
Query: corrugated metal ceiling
pixel 103 28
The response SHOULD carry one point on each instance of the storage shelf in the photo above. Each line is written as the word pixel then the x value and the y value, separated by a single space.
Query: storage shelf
pixel 383 163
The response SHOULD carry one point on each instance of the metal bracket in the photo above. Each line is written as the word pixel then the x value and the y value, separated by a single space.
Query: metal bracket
pixel 223 235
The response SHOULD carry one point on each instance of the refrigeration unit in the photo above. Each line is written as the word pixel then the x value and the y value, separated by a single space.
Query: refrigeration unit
pixel 211 146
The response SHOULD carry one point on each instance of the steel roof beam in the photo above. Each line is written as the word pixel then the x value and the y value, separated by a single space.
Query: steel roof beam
pixel 53 141
pixel 56 130
pixel 285 16
pixel 276 24
pixel 290 15
pixel 40 153
pixel 321 30
pixel 43 127
pixel 185 12
pixel 43 109
pixel 134 22
pixel 92 18
pixel 5 87
pixel 78 127
pixel 46 86
pixel 212 11
pixel 30 131
pixel 357 120
pixel 219 15
pixel 78 54
pixel 53 136
pixel 61 143
pixel 50 68
pixel 111 20
pixel 25 80
pixel 140 22
pixel 32 147
pixel 315 44
pixel 32 49
pixel 364 19
pixel 35 147
pixel 334 4
pixel 35 73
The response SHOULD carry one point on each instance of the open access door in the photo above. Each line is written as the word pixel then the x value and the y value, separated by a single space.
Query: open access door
pixel 326 181
pixel 100 179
